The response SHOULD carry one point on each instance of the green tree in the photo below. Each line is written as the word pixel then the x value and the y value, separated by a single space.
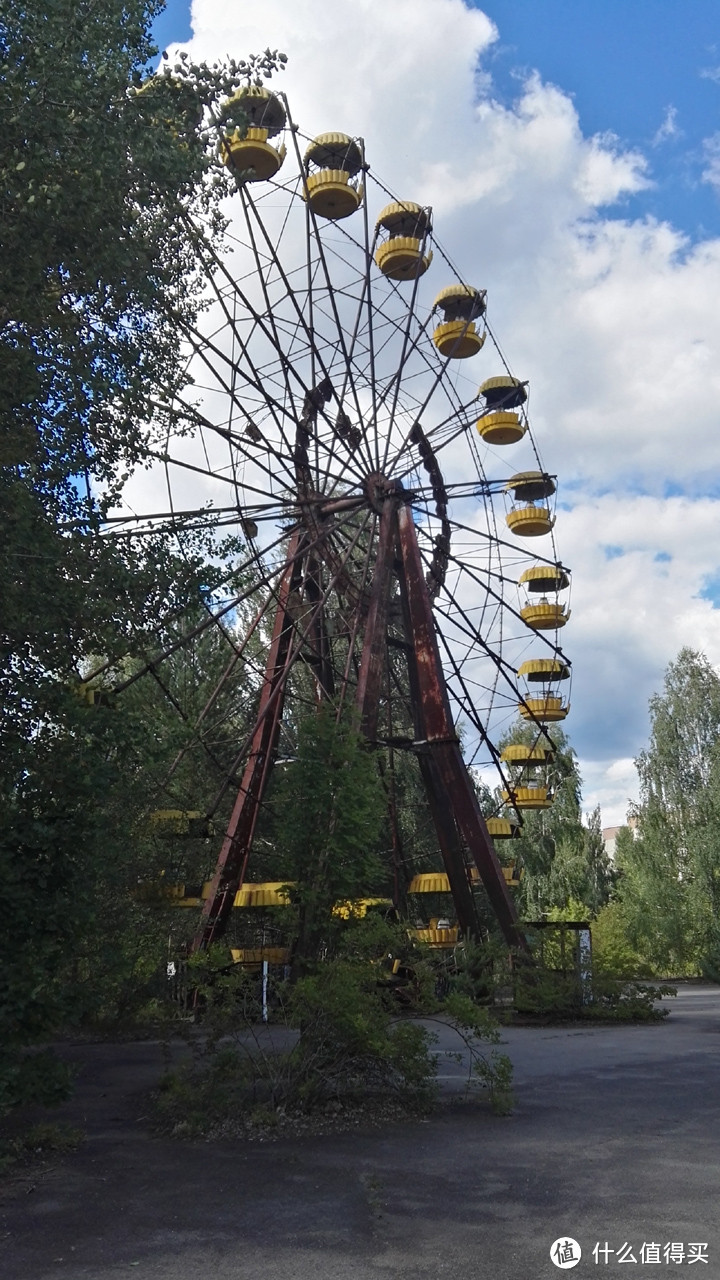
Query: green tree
pixel 103 173
pixel 331 807
pixel 670 875
pixel 78 941
pixel 109 174
pixel 564 860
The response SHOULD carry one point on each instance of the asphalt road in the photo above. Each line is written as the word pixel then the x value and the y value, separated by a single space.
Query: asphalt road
pixel 614 1141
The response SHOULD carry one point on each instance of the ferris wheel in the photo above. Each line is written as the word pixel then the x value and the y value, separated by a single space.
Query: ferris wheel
pixel 349 414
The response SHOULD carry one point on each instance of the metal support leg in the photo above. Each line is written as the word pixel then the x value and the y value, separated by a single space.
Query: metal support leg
pixel 235 850
pixel 374 654
pixel 450 789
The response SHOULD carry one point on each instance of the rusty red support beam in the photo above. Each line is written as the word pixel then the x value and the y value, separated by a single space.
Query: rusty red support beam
pixel 374 650
pixel 237 842
pixel 451 793
pixel 320 656
pixel 440 810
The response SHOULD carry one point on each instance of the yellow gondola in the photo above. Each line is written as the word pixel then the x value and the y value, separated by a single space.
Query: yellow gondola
pixel 357 908
pixel 544 670
pixel 254 956
pixel 528 488
pixel 528 797
pixel 546 710
pixel 501 427
pixel 504 392
pixel 518 753
pixel 246 150
pixel 400 256
pixel 269 893
pixel 332 163
pixel 437 938
pixel 502 828
pixel 429 882
pixel 169 823
pixel 544 578
pixel 545 615
pixel 530 522
pixel 461 304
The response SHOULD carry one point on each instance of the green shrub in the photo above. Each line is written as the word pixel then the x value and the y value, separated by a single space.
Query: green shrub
pixel 487 1068
pixel 613 953
pixel 40 1139
pixel 550 992
pixel 620 1000
pixel 349 1042
pixel 337 1042
pixel 32 1076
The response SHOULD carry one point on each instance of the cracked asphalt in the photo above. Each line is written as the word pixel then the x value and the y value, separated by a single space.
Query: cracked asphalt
pixel 614 1140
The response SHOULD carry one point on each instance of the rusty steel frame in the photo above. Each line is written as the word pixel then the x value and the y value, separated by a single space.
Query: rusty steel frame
pixel 372 660
pixel 451 794
pixel 452 799
pixel 237 842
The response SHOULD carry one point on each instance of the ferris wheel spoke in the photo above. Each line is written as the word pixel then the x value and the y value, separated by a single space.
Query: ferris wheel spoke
pixel 354 337
pixel 170 697
pixel 245 199
pixel 409 346
pixel 483 580
pixel 207 251
pixel 519 552
pixel 238 652
pixel 351 662
pixel 307 323
pixel 295 652
pixel 388 320
pixel 256 380
pixel 277 410
pixel 201 348
pixel 420 411
pixel 504 669
pixel 283 509
pixel 466 702
pixel 367 286
pixel 263 577
pixel 451 434
pixel 317 240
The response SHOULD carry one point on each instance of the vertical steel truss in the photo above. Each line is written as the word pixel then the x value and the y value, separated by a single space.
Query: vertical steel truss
pixel 236 845
pixel 462 834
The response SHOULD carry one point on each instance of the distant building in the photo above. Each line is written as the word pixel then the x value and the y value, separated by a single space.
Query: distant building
pixel 609 835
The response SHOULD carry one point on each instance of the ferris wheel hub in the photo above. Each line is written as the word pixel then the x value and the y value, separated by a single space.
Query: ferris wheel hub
pixel 378 488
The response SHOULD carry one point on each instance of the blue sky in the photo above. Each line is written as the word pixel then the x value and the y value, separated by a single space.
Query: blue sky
pixel 173 24
pixel 626 63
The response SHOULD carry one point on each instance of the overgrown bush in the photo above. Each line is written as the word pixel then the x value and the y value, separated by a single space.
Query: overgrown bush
pixel 39 1140
pixel 626 1001
pixel 612 950
pixel 487 1068
pixel 337 1043
pixel 31 1076
pixel 333 1043
pixel 549 987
